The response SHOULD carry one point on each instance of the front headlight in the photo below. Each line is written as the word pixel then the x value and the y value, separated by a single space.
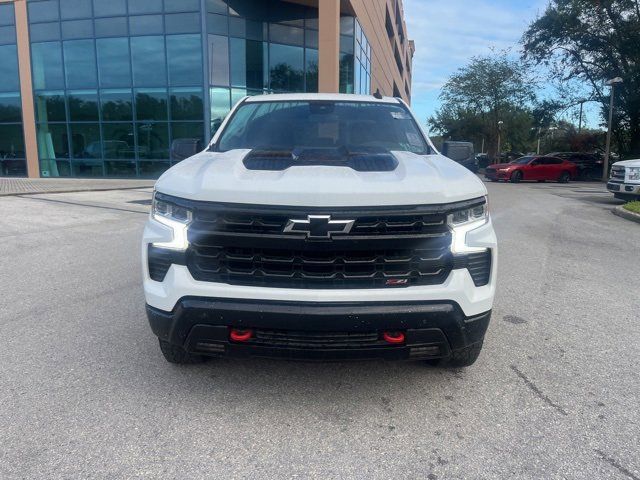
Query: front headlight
pixel 633 173
pixel 177 217
pixel 463 221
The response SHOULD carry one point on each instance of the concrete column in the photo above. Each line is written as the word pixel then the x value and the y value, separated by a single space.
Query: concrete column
pixel 329 46
pixel 26 89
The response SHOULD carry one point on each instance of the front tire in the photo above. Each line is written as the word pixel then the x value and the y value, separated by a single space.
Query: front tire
pixel 178 355
pixel 564 177
pixel 516 177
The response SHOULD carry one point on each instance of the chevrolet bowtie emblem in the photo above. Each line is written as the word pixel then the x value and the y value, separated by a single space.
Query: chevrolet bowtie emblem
pixel 319 226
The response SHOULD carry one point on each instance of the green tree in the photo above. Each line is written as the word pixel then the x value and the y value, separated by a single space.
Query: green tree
pixel 491 89
pixel 592 41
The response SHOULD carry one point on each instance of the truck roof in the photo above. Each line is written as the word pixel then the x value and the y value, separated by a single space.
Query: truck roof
pixel 327 97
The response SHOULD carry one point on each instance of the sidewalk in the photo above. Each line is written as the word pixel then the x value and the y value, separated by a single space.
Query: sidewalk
pixel 32 186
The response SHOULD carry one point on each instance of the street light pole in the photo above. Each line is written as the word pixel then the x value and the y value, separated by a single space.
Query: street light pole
pixel 605 167
pixel 500 123
pixel 580 121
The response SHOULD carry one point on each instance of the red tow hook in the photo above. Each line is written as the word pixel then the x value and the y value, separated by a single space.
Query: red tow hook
pixel 237 335
pixel 394 338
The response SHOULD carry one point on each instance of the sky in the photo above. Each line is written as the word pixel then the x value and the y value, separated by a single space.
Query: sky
pixel 448 33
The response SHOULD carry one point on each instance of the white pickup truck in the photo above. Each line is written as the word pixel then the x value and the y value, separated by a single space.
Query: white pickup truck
pixel 324 227
pixel 625 180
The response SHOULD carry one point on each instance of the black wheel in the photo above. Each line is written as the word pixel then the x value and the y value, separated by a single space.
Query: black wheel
pixel 465 357
pixel 541 181
pixel 178 355
pixel 516 176
pixel 564 177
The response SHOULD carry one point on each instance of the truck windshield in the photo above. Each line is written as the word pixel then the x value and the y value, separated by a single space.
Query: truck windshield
pixel 348 126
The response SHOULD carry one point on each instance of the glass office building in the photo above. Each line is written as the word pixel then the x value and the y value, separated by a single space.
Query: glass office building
pixel 127 88
pixel 12 151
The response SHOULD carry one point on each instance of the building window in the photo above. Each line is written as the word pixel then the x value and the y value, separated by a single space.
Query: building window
pixel 116 95
pixel 12 148
pixel 120 88
pixel 259 46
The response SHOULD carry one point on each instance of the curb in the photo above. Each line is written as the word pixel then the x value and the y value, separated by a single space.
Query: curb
pixel 70 190
pixel 624 213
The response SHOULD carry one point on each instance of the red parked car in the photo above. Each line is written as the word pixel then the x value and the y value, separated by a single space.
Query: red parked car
pixel 533 168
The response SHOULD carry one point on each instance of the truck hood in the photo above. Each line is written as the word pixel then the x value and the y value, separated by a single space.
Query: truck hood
pixel 418 180
pixel 628 163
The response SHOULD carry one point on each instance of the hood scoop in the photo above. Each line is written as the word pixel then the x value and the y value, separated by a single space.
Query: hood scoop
pixel 360 161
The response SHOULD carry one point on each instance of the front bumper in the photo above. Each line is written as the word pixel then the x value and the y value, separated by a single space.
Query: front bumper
pixel 318 331
pixel 458 288
pixel 492 174
pixel 628 188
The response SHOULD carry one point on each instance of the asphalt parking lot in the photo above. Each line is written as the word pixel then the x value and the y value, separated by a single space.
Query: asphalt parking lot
pixel 85 393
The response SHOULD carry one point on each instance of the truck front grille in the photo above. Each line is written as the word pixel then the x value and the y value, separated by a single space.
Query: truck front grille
pixel 317 268
pixel 381 247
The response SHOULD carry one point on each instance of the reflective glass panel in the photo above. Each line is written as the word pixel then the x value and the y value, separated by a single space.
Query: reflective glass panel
pixel 181 5
pixel 12 167
pixel 148 58
pixel 185 130
pixel 50 107
pixel 70 9
pixel 80 64
pixel 107 8
pixel 146 25
pixel 346 73
pixel 44 32
pixel 286 69
pixel 182 23
pixel 113 62
pixel 9 78
pixel 46 59
pixel 6 14
pixel 43 11
pixel 184 53
pixel 77 29
pixel 120 169
pixel 145 6
pixel 87 168
pixel 217 6
pixel 153 169
pixel 116 105
pixel 219 60
pixel 151 104
pixel 111 27
pixel 118 140
pixel 10 107
pixel 187 104
pixel 311 74
pixel 220 106
pixel 247 63
pixel 85 140
pixel 11 142
pixel 153 141
pixel 286 34
pixel 217 24
pixel 83 106
pixel 52 140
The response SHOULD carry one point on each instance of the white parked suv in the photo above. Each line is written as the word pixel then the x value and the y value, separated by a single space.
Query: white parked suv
pixel 320 227
pixel 625 180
